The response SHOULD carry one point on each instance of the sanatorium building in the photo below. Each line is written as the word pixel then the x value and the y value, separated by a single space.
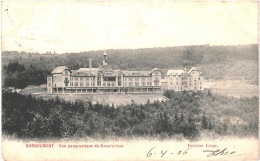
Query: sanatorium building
pixel 104 79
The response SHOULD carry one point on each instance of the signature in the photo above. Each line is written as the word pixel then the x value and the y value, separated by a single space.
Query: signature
pixel 219 152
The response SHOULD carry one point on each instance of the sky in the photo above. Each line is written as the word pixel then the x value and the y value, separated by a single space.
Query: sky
pixel 77 26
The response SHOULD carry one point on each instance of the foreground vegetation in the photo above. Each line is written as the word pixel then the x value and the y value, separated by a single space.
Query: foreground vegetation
pixel 184 115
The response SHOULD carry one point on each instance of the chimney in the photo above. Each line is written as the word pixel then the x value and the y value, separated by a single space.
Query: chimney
pixel 89 64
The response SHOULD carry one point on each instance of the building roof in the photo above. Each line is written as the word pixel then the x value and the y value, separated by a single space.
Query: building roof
pixel 88 69
pixel 59 69
pixel 136 73
pixel 103 68
pixel 154 69
pixel 175 72
pixel 110 73
pixel 181 72
pixel 82 73
pixel 193 68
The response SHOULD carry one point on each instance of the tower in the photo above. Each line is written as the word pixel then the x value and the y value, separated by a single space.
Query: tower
pixel 104 59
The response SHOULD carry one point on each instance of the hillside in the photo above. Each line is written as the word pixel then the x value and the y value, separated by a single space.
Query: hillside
pixel 216 62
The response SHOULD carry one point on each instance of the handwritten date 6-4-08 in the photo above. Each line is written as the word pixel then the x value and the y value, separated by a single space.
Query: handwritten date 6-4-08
pixel 154 151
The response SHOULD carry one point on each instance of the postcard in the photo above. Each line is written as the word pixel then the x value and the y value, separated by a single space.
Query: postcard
pixel 134 80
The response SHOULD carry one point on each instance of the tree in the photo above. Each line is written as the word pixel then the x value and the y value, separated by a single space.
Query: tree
pixel 204 122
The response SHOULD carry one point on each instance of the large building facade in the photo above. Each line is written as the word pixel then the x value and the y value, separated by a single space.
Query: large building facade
pixel 179 80
pixel 106 80
pixel 102 80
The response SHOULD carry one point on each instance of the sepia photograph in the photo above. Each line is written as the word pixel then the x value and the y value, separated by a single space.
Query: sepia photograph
pixel 134 80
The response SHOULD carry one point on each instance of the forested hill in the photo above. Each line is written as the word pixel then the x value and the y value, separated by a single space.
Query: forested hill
pixel 147 58
pixel 216 62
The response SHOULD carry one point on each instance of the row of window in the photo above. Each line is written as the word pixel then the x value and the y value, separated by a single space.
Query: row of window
pixel 82 78
pixel 137 78
pixel 75 79
pixel 131 84
pixel 81 84
pixel 109 84
pixel 184 78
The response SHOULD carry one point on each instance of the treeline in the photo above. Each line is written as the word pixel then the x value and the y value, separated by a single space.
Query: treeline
pixel 18 76
pixel 147 58
pixel 183 116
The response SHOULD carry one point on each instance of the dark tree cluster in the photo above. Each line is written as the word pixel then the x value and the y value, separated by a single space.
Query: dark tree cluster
pixel 18 76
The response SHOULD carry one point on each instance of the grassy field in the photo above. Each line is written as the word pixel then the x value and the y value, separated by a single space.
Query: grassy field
pixel 235 88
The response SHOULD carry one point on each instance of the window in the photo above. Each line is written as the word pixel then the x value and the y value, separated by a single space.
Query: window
pixel 143 83
pixel 66 72
pixel 76 84
pixel 49 84
pixel 143 79
pixel 99 79
pixel 130 84
pixel 130 79
pixel 136 78
pixel 75 78
pixel 66 81
pixel 87 79
pixel 81 78
pixel 136 84
pixel 104 84
pixel 87 84
pixel 119 81
pixel 81 84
